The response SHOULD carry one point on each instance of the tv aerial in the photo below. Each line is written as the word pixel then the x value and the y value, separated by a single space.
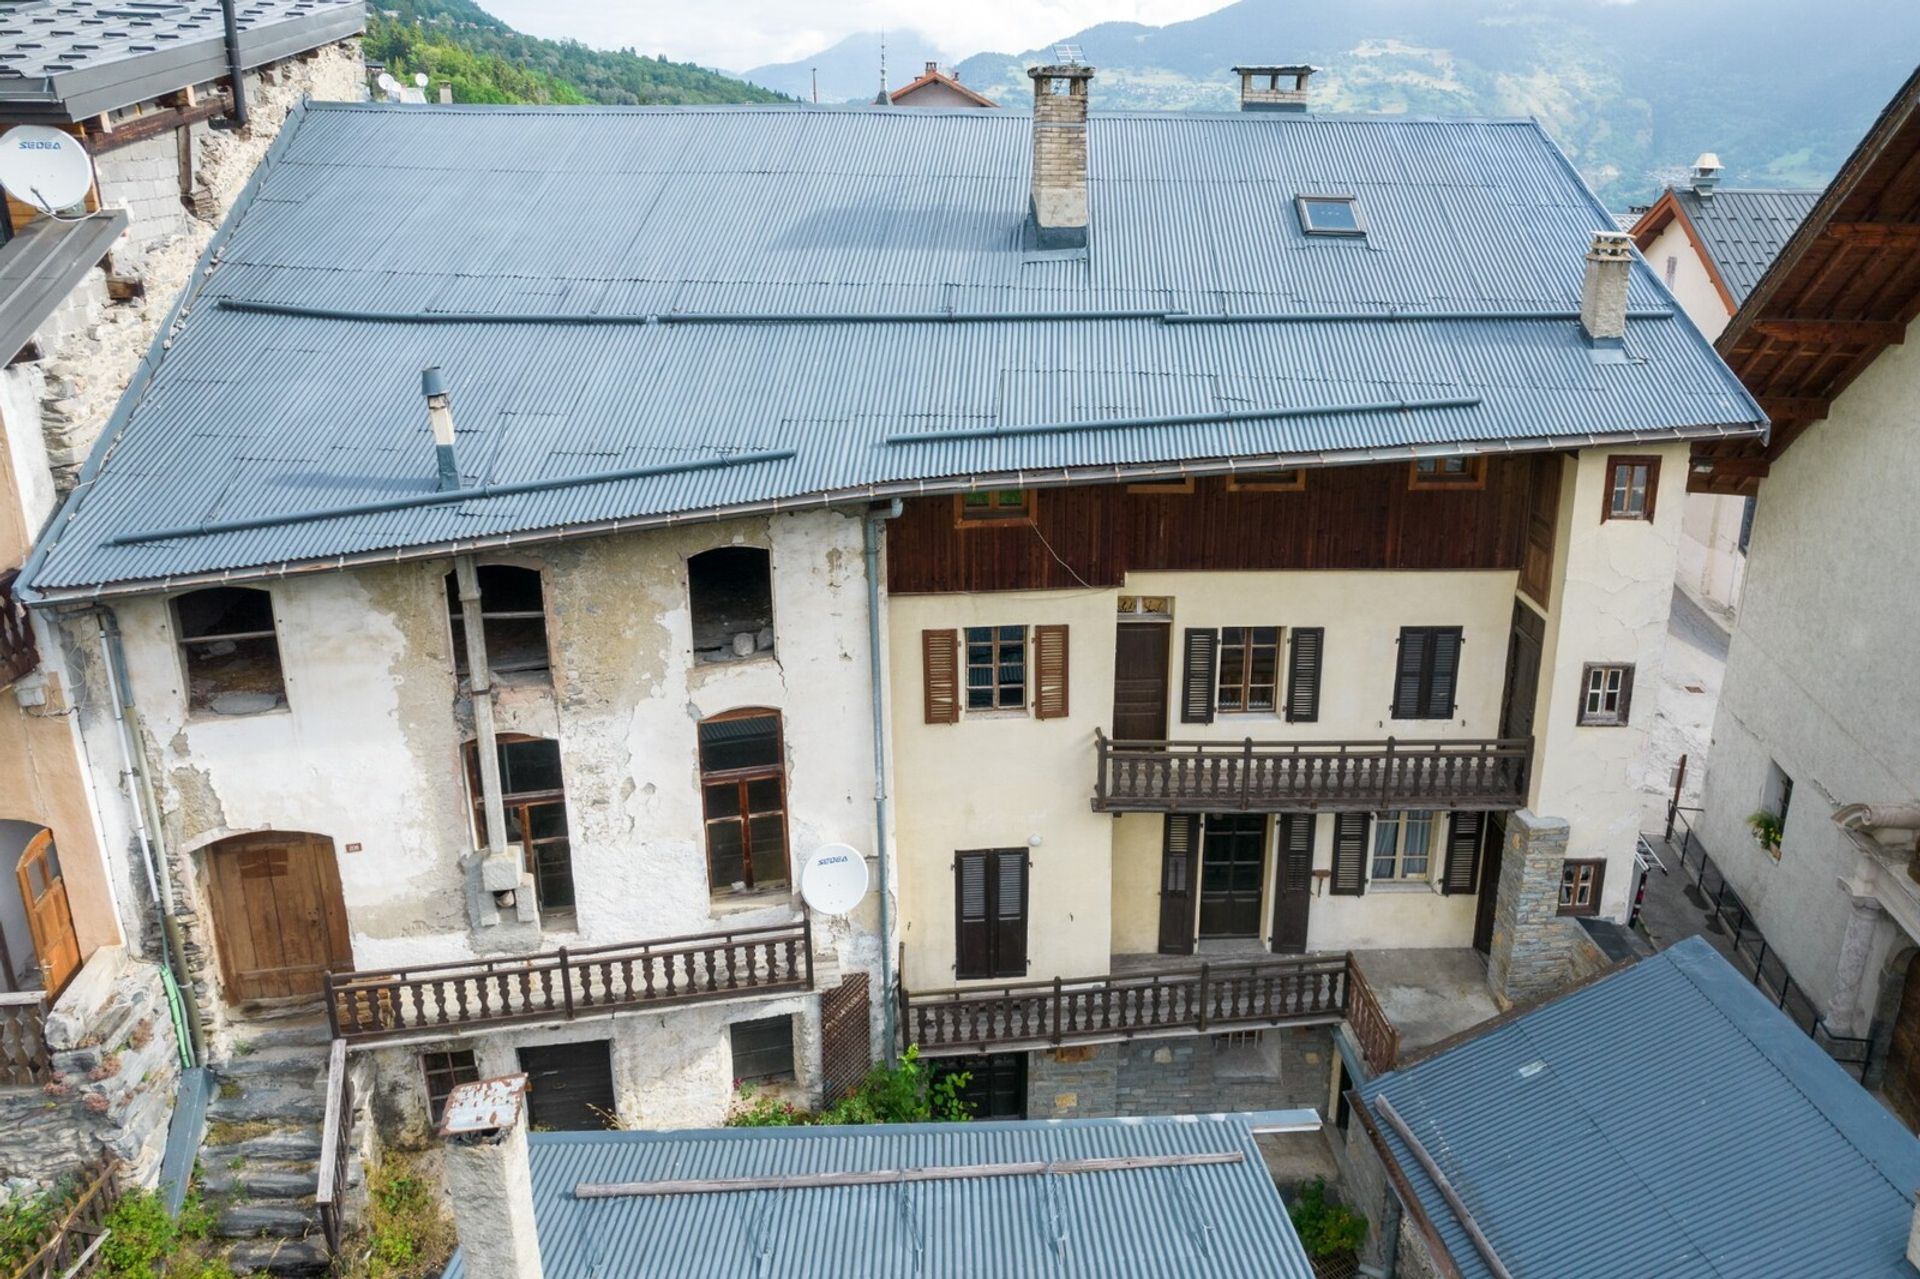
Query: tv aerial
pixel 44 167
pixel 834 880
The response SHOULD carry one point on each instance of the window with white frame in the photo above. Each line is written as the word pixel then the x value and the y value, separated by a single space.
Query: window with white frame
pixel 1403 845
pixel 1606 694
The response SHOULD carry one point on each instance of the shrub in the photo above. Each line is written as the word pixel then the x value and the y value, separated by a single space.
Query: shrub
pixel 409 1236
pixel 23 1220
pixel 908 1093
pixel 1326 1229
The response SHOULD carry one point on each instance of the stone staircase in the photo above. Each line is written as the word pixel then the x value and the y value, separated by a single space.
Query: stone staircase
pixel 260 1159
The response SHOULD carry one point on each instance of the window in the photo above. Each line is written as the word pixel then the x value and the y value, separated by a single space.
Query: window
pixel 743 789
pixel 1293 481
pixel 995 1087
pixel 1632 484
pixel 730 590
pixel 996 668
pixel 1249 668
pixel 570 1086
pixel 1776 800
pixel 536 805
pixel 1402 845
pixel 232 656
pixel 1447 473
pixel 762 1049
pixel 1246 1054
pixel 1672 269
pixel 445 1072
pixel 994 506
pixel 1606 693
pixel 1746 524
pixel 513 615
pixel 1426 672
pixel 1329 215
pixel 990 908
pixel 1580 883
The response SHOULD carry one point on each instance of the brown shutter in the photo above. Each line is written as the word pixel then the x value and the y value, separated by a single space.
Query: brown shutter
pixel 940 663
pixel 1463 852
pixel 1303 673
pixel 1179 848
pixel 1010 913
pixel 1197 683
pixel 1349 854
pixel 1296 851
pixel 1050 672
pixel 1409 672
pixel 1445 679
pixel 1626 692
pixel 971 932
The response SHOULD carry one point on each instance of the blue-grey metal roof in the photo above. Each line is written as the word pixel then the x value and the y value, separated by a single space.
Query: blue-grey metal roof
pixel 1744 231
pixel 42 263
pixel 70 59
pixel 1667 1120
pixel 1212 1221
pixel 608 289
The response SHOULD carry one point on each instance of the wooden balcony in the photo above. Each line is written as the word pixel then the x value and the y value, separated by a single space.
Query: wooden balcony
pixel 1294 991
pixel 18 656
pixel 1283 777
pixel 448 999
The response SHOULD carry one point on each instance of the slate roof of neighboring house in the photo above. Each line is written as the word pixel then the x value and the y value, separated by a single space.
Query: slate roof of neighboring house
pixel 1206 1221
pixel 70 59
pixel 1665 1120
pixel 1740 231
pixel 840 300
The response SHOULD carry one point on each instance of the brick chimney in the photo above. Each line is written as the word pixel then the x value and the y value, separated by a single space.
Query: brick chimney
pixel 1603 294
pixel 1060 155
pixel 489 1181
pixel 1281 87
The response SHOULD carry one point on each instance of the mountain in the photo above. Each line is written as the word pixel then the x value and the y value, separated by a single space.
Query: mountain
pixel 488 61
pixel 850 70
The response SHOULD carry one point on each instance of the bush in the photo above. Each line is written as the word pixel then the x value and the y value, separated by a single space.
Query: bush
pixel 908 1093
pixel 23 1221
pixel 409 1236
pixel 1326 1229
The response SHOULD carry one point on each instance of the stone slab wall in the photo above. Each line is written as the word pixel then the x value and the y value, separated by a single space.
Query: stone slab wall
pixel 1535 951
pixel 1290 1067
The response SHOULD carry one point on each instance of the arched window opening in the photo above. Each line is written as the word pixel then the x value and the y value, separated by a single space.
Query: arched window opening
pixel 231 653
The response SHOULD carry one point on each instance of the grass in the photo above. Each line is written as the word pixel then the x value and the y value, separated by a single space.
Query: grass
pixel 229 1090
pixel 231 1132
pixel 408 1235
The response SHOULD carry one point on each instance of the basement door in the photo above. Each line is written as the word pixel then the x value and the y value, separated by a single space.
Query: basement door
pixel 49 918
pixel 278 916
pixel 1232 859
pixel 569 1086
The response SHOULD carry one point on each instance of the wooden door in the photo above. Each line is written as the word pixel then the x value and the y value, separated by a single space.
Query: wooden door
pixel 1495 835
pixel 569 1086
pixel 1140 681
pixel 1233 857
pixel 1180 841
pixel 1523 672
pixel 1903 1054
pixel 1293 885
pixel 49 918
pixel 278 915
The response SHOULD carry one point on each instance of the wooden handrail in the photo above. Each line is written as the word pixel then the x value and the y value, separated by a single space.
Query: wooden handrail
pixel 336 1145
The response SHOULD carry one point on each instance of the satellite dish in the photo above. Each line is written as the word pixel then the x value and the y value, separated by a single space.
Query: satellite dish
pixel 420 78
pixel 834 879
pixel 44 167
pixel 388 83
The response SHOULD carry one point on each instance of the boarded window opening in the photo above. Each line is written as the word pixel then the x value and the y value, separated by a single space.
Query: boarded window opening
pixel 730 589
pixel 762 1049
pixel 513 612
pixel 232 655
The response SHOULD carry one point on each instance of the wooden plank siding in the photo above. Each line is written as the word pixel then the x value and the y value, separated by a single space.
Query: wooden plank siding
pixel 1356 517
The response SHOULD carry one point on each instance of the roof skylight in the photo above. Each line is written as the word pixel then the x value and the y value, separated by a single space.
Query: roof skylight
pixel 1330 215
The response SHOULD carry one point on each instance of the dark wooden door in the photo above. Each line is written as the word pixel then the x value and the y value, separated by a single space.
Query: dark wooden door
pixel 1903 1053
pixel 1293 886
pixel 280 920
pixel 49 918
pixel 1495 835
pixel 996 1086
pixel 1523 672
pixel 1140 681
pixel 1180 844
pixel 1233 855
pixel 570 1086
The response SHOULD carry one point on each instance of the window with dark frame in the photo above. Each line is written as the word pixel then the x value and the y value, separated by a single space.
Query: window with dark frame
pixel 996 668
pixel 1426 672
pixel 534 795
pixel 446 1071
pixel 232 654
pixel 762 1049
pixel 995 1087
pixel 1249 669
pixel 1746 524
pixel 743 785
pixel 1632 485
pixel 1447 473
pixel 990 910
pixel 1606 695
pixel 1580 886
pixel 1176 484
pixel 990 506
pixel 513 612
pixel 1337 215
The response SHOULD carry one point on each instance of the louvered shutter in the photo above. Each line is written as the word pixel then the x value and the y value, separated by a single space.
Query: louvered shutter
pixel 1009 958
pixel 1626 692
pixel 940 665
pixel 1303 674
pixel 1445 678
pixel 972 927
pixel 1197 683
pixel 1180 846
pixel 1349 854
pixel 1463 852
pixel 1409 672
pixel 1050 672
pixel 1296 849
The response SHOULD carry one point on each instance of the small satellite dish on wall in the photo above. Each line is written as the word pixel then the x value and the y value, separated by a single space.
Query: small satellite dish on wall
pixel 834 879
pixel 44 167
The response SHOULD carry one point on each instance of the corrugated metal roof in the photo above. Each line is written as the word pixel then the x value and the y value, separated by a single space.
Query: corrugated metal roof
pixel 483 240
pixel 1743 231
pixel 1221 1220
pixel 1667 1120
pixel 41 264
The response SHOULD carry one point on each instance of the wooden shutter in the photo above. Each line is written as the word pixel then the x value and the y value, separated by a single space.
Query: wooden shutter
pixel 1409 672
pixel 1296 851
pixel 1050 672
pixel 1445 677
pixel 973 944
pixel 1463 852
pixel 1179 850
pixel 1197 681
pixel 1009 957
pixel 1303 673
pixel 1349 854
pixel 1626 693
pixel 940 663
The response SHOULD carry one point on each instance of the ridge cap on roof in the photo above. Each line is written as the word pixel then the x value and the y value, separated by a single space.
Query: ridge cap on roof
pixel 1250 118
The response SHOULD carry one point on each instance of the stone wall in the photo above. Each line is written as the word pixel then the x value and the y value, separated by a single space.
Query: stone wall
pixel 1535 952
pixel 1289 1067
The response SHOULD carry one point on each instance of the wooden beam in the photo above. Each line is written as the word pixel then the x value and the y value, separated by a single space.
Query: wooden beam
pixel 1874 235
pixel 896 1176
pixel 1831 332
pixel 1738 468
pixel 1807 406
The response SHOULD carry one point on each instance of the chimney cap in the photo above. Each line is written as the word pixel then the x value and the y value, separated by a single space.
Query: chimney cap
pixel 1611 246
pixel 1707 163
pixel 432 382
pixel 933 68
pixel 1061 71
pixel 1278 68
pixel 486 1106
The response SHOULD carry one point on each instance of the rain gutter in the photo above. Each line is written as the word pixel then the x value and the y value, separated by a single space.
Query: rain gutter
pixel 1181 419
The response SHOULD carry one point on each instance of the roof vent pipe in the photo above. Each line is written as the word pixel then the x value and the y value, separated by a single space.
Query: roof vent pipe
pixel 440 415
pixel 1279 87
pixel 1603 294
pixel 234 71
pixel 1706 174
pixel 488 1180
pixel 1060 155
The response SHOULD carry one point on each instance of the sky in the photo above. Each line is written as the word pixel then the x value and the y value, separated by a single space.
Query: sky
pixel 737 34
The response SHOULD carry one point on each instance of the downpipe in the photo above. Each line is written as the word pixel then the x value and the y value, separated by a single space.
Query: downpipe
pixel 870 527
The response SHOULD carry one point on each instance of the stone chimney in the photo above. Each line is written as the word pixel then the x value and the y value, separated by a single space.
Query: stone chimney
pixel 1603 295
pixel 1060 155
pixel 933 68
pixel 1706 175
pixel 1274 88
pixel 489 1181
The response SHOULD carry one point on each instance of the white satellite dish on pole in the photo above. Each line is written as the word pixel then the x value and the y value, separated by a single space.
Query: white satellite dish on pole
pixel 834 879
pixel 44 167
pixel 387 83
pixel 420 78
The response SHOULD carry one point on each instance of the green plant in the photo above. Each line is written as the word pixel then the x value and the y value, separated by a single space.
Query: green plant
pixel 141 1237
pixel 1326 1229
pixel 23 1220
pixel 908 1093
pixel 409 1236
pixel 1766 829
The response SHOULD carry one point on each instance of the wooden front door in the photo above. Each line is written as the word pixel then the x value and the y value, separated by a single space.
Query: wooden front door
pixel 1140 681
pixel 1293 886
pixel 49 918
pixel 278 915
pixel 1180 843
pixel 1495 836
pixel 1903 1054
pixel 1233 857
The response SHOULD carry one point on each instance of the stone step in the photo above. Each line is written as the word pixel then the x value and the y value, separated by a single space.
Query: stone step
pixel 279 1104
pixel 304 1062
pixel 290 1143
pixel 278 1219
pixel 279 1257
pixel 257 1180
pixel 306 1029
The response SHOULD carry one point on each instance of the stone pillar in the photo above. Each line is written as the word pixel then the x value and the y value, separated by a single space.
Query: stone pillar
pixel 1845 1016
pixel 1529 956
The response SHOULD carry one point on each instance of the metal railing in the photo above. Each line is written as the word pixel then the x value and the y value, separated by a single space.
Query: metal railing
pixel 69 1246
pixel 336 1146
pixel 373 1004
pixel 1223 776
pixel 24 1060
pixel 1313 990
pixel 18 654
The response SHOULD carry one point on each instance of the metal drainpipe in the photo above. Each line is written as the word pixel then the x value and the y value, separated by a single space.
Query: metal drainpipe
pixel 159 876
pixel 870 546
pixel 234 73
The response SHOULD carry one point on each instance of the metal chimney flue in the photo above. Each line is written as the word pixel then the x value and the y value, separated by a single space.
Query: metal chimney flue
pixel 489 1181
pixel 440 416
pixel 1706 175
